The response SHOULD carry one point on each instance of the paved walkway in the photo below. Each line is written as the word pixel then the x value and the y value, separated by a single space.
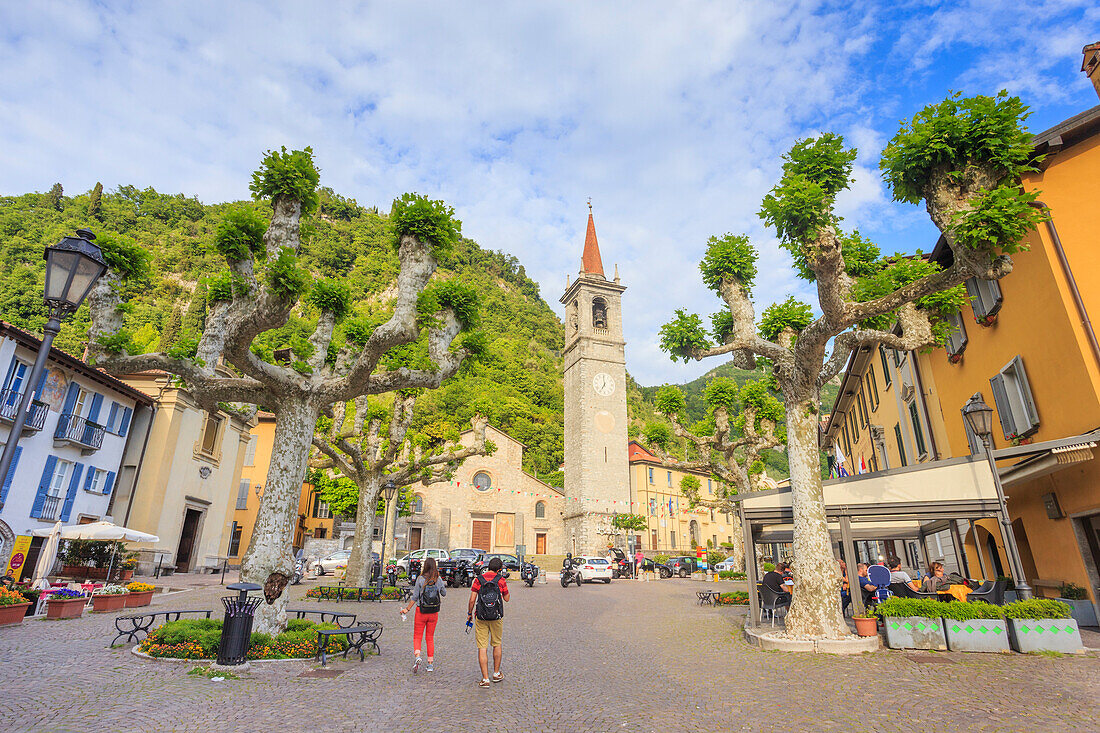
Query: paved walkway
pixel 629 656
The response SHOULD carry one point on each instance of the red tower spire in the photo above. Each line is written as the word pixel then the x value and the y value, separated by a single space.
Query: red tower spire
pixel 591 263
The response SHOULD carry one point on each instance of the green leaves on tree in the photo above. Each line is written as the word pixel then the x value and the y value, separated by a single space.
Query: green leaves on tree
pixel 657 434
pixel 669 400
pixel 331 296
pixel 777 317
pixel 902 271
pixel 729 257
pixel 461 298
pixel 240 234
pixel 757 395
pixel 124 256
pixel 432 222
pixel 721 392
pixel 998 219
pixel 630 522
pixel 683 335
pixel 285 278
pixel 721 324
pixel 292 175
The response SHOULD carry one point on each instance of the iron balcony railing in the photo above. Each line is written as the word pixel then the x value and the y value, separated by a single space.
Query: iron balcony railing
pixel 242 503
pixel 79 430
pixel 51 508
pixel 9 407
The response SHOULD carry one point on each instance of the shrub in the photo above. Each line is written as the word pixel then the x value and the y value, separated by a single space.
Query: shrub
pixel 11 597
pixel 1036 608
pixel 927 608
pixel 731 575
pixel 199 639
pixel 734 598
pixel 660 559
pixel 768 567
pixel 1072 592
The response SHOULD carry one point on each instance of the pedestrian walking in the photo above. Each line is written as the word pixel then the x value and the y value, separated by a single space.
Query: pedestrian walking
pixel 488 594
pixel 427 594
pixel 639 560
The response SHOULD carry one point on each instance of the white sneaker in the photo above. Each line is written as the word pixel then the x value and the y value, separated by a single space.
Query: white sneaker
pixel 416 665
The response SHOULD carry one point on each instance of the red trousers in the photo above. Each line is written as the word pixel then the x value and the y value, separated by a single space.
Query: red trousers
pixel 424 625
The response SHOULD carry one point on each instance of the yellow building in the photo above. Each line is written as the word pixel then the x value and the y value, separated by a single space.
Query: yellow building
pixel 672 526
pixel 315 521
pixel 1026 344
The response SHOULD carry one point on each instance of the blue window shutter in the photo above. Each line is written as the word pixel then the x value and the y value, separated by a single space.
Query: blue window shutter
pixel 97 403
pixel 88 478
pixel 115 407
pixel 11 370
pixel 110 483
pixel 124 428
pixel 74 484
pixel 70 397
pixel 41 382
pixel 11 474
pixel 43 486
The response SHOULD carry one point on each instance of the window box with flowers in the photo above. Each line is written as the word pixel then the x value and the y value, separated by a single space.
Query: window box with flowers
pixel 108 598
pixel 141 594
pixel 65 603
pixel 13 607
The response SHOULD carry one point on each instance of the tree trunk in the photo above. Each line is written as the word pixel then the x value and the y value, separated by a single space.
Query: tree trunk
pixel 268 560
pixel 815 609
pixel 360 561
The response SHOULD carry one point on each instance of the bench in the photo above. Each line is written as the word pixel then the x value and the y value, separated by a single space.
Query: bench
pixel 343 620
pixel 357 636
pixel 344 593
pixel 131 626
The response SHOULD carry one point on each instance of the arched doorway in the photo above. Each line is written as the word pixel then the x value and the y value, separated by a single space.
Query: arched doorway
pixel 693 529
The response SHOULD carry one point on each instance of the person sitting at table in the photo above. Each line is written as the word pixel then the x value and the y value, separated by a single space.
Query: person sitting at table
pixel 778 581
pixel 897 575
pixel 845 596
pixel 936 580
pixel 865 583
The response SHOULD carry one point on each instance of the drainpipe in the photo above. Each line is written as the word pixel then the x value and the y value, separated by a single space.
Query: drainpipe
pixel 1071 281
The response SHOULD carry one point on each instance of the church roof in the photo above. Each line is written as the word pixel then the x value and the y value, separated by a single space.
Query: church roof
pixel 591 263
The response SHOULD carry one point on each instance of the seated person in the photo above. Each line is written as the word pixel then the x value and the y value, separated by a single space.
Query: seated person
pixel 775 581
pixel 567 563
pixel 936 579
pixel 845 596
pixel 897 575
pixel 865 583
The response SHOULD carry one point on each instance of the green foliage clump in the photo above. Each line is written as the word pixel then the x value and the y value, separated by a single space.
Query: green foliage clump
pixel 998 219
pixel 683 335
pixel 901 272
pixel 117 342
pixel 757 395
pixel 721 392
pixel 285 278
pixel 1036 608
pixel 729 257
pixel 953 135
pixel 791 313
pixel 219 287
pixel 292 175
pixel 461 298
pixel 689 485
pixel 756 468
pixel 124 256
pixel 358 329
pixel 633 522
pixel 332 296
pixel 928 608
pixel 432 222
pixel 861 255
pixel 657 434
pixel 95 202
pixel 185 348
pixel 669 400
pixel 721 325
pixel 241 234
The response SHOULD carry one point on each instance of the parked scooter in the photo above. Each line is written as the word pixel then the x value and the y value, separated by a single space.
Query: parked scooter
pixel 299 571
pixel 569 572
pixel 528 573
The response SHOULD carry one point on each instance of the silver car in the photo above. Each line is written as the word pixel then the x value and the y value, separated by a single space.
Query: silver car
pixel 331 562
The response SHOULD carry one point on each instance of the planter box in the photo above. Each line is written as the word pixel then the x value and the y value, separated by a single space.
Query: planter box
pixel 1011 596
pixel 105 603
pixel 136 600
pixel 84 571
pixel 126 574
pixel 1045 635
pixel 13 614
pixel 65 607
pixel 914 632
pixel 1084 613
pixel 977 635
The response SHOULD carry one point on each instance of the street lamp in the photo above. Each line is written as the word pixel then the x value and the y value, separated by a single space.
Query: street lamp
pixel 73 266
pixel 979 417
pixel 389 491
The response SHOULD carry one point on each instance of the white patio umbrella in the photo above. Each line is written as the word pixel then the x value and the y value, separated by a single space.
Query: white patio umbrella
pixel 47 555
pixel 93 531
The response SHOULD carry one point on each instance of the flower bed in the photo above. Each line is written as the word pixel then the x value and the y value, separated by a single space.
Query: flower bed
pixel 65 603
pixel 199 638
pixel 108 598
pixel 736 598
pixel 141 594
pixel 13 607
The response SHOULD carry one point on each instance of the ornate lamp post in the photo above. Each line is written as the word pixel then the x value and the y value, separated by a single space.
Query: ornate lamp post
pixel 73 266
pixel 389 491
pixel 979 416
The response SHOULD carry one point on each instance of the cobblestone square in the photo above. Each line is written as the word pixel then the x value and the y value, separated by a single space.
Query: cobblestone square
pixel 628 656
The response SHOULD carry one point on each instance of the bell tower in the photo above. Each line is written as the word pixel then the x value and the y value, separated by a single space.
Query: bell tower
pixel 597 478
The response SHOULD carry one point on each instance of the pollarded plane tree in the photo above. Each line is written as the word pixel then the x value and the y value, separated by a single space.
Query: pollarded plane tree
pixel 371 445
pixel 963 158
pixel 744 426
pixel 257 293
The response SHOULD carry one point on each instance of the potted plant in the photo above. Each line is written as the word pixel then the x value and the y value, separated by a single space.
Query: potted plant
pixel 65 603
pixel 108 598
pixel 866 625
pixel 912 623
pixel 126 568
pixel 13 607
pixel 974 627
pixel 1042 625
pixel 140 594
pixel 1077 598
pixel 30 594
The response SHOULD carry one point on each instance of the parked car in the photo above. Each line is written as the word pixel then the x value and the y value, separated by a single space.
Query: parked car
pixel 592 567
pixel 458 568
pixel 421 555
pixel 329 563
pixel 728 564
pixel 683 565
pixel 511 563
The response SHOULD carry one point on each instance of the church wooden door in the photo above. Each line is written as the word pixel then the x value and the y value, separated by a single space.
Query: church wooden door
pixel 482 534
pixel 540 543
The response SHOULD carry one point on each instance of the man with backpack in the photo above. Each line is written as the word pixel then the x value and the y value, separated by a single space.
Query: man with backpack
pixel 488 594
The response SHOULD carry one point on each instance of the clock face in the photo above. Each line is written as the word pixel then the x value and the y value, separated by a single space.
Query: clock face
pixel 603 384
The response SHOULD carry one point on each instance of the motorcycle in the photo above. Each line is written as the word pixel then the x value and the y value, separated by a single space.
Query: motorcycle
pixel 528 573
pixel 622 569
pixel 299 571
pixel 569 573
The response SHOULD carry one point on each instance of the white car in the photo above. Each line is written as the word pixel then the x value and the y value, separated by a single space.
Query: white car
pixel 592 567
pixel 728 564
pixel 421 555
pixel 329 563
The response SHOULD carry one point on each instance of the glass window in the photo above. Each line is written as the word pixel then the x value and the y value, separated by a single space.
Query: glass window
pixel 918 434
pixel 985 297
pixel 58 480
pixel 651 475
pixel 98 481
pixel 320 508
pixel 669 477
pixel 18 377
pixel 597 561
pixel 234 540
pixel 872 387
pixel 901 444
pixel 1015 403
pixel 862 409
pixel 672 539
pixel 653 507
pixel 956 338
pixel 418 504
pixel 710 489
pixel 482 482
pixel 540 510
pixel 250 451
pixel 210 434
pixel 320 533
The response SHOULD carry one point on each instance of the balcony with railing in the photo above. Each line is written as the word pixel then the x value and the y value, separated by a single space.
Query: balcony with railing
pixel 79 431
pixel 9 408
pixel 51 509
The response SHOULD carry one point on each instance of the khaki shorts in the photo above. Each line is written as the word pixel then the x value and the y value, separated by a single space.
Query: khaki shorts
pixel 484 629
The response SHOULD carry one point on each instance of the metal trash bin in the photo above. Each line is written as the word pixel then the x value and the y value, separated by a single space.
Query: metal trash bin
pixel 237 625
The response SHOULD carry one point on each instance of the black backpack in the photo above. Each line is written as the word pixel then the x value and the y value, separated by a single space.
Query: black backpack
pixel 429 599
pixel 490 603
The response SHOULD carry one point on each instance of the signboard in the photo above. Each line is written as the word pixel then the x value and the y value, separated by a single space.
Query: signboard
pixel 701 557
pixel 18 559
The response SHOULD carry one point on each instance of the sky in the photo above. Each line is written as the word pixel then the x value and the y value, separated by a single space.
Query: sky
pixel 671 117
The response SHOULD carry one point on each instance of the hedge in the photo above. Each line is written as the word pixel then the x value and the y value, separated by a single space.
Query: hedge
pixel 1036 608
pixel 927 608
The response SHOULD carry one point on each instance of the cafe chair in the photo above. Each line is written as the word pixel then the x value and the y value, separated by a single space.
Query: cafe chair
pixel 990 592
pixel 879 575
pixel 902 590
pixel 771 601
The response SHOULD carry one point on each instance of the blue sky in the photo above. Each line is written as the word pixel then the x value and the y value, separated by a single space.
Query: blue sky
pixel 670 116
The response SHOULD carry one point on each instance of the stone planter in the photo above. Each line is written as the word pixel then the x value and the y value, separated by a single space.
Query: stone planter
pixel 125 574
pixel 1045 635
pixel 136 600
pixel 1011 596
pixel 107 603
pixel 65 607
pixel 866 625
pixel 13 614
pixel 977 635
pixel 1084 613
pixel 914 632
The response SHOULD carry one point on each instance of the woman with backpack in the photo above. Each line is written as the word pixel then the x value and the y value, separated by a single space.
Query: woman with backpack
pixel 427 594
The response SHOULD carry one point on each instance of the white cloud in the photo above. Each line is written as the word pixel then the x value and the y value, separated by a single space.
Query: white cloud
pixel 672 118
